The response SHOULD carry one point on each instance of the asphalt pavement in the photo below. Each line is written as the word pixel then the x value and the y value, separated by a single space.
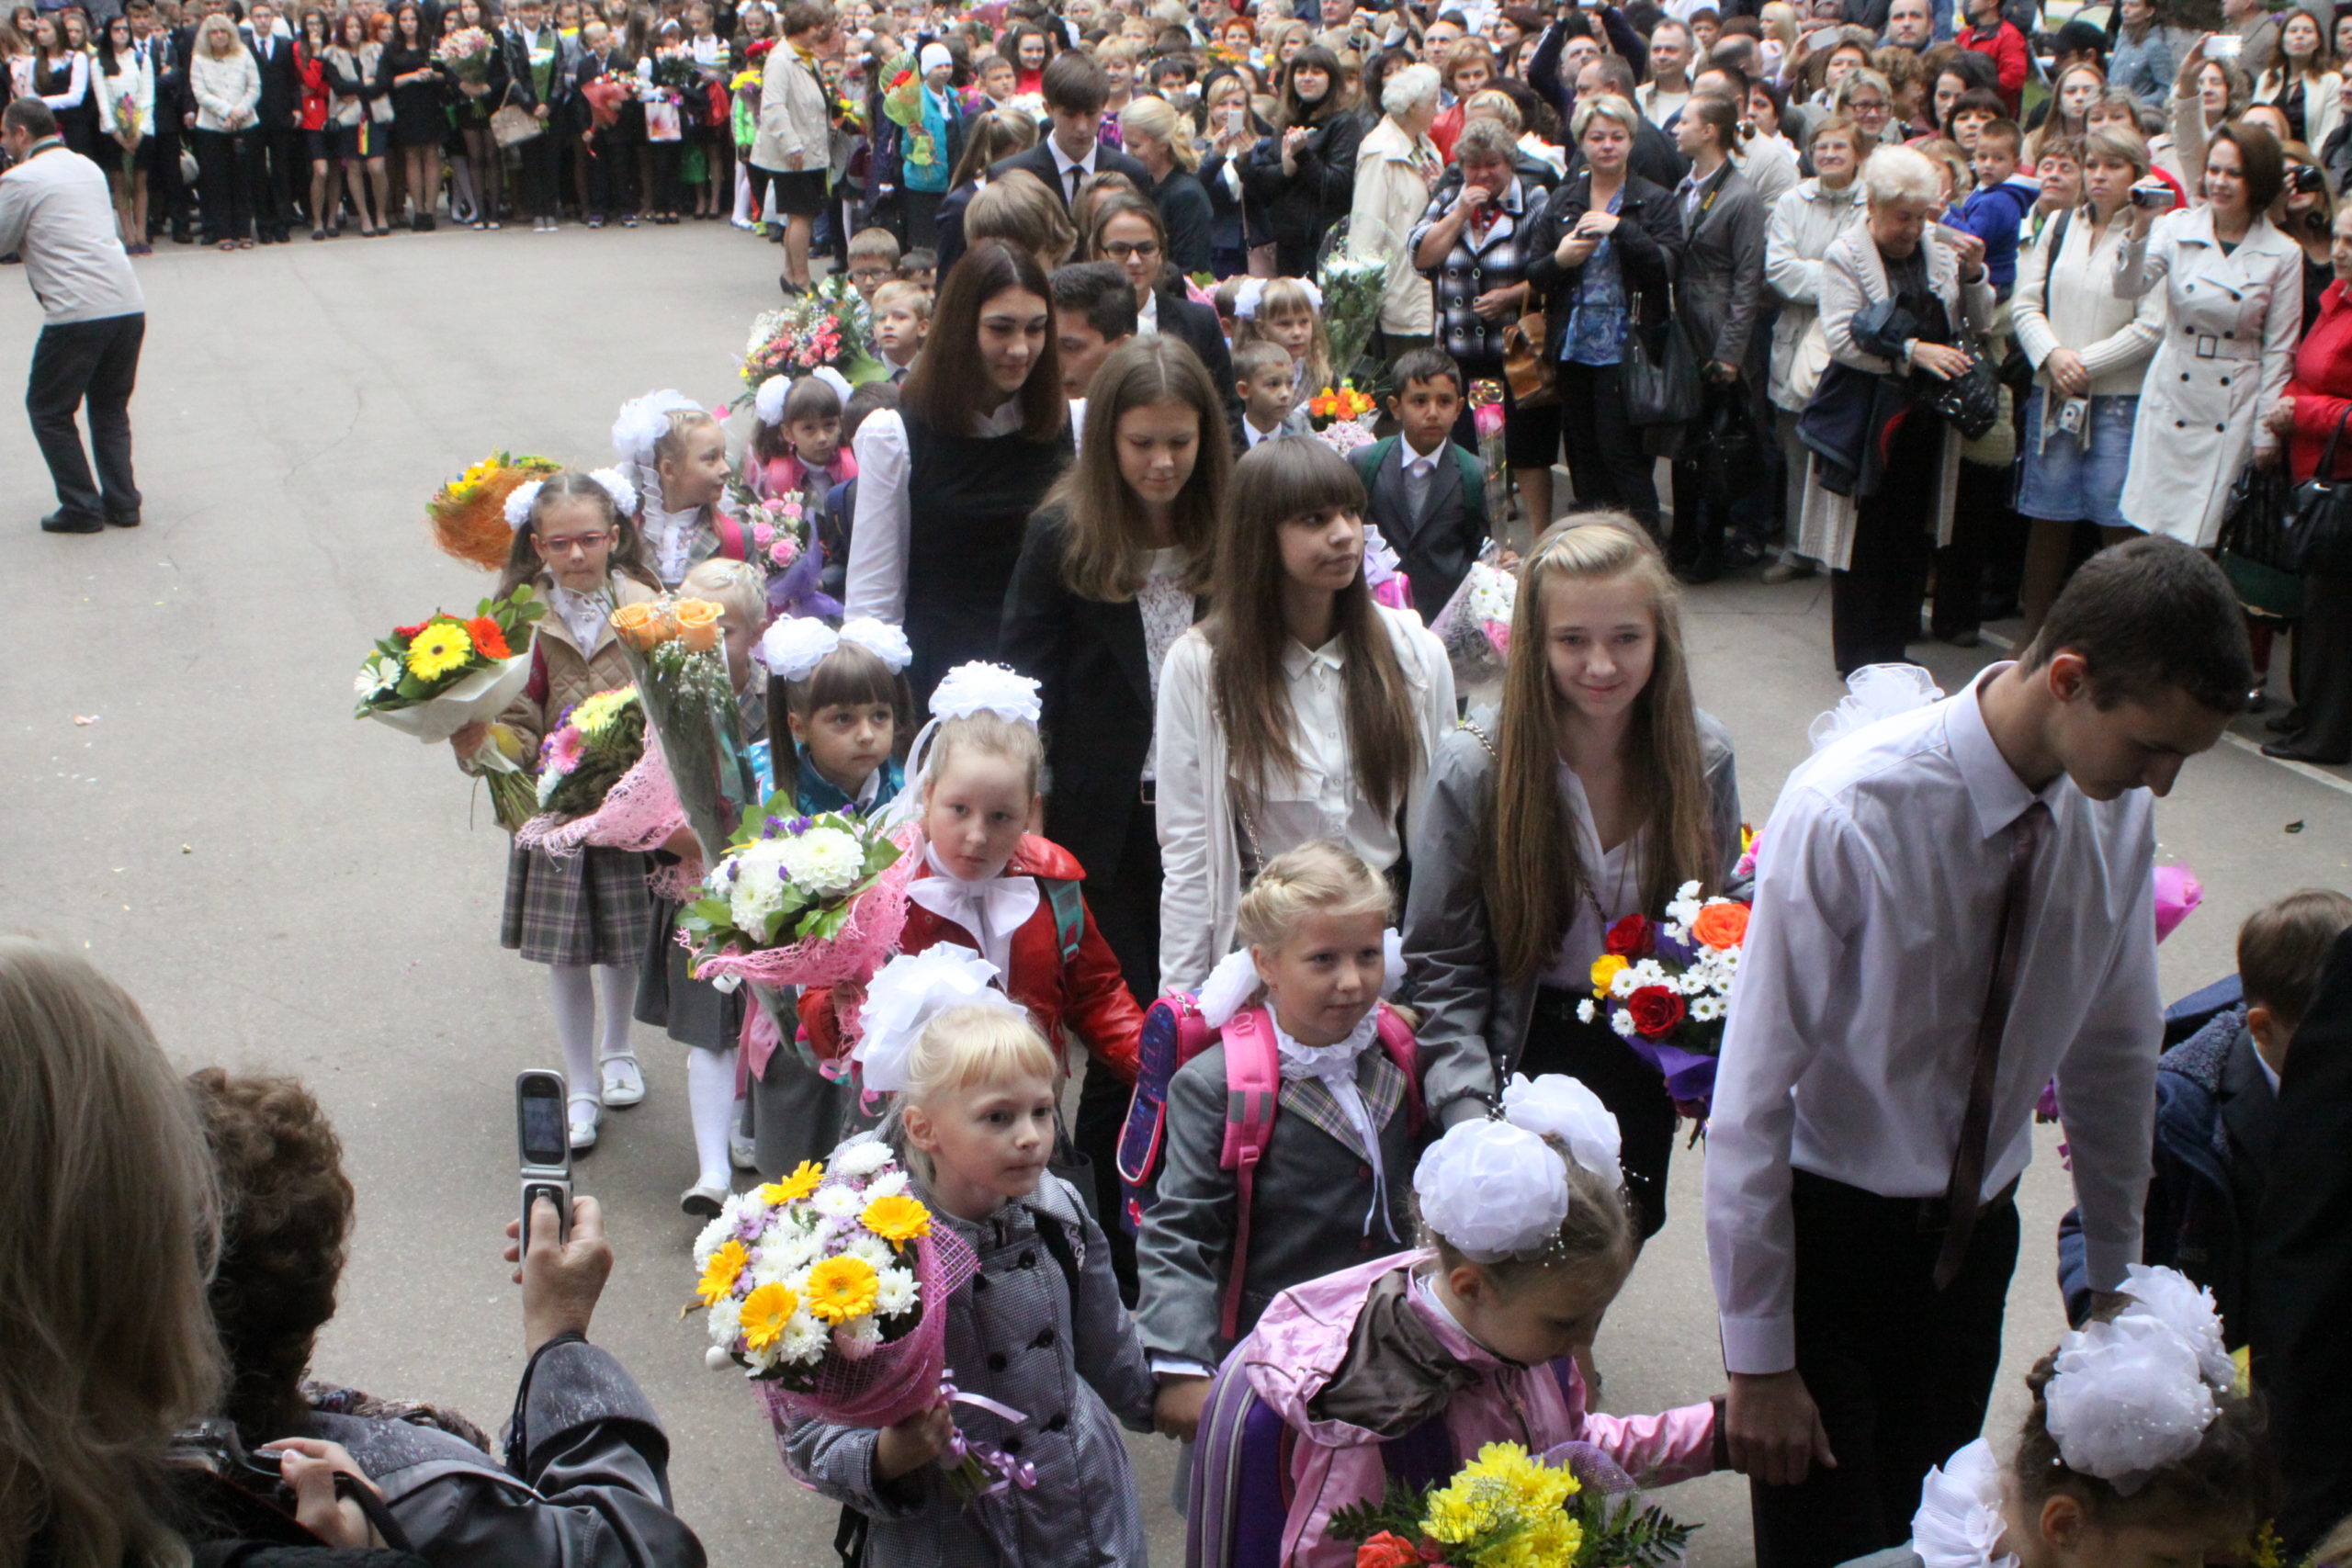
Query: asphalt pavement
pixel 289 891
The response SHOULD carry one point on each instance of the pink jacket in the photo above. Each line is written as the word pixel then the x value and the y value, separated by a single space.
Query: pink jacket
pixel 1303 1338
pixel 786 475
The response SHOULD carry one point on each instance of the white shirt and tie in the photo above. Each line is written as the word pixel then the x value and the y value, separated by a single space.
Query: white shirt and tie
pixel 1880 880
pixel 1420 468
pixel 1072 171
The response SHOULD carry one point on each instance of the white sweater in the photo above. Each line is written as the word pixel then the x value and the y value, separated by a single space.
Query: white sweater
pixel 2069 301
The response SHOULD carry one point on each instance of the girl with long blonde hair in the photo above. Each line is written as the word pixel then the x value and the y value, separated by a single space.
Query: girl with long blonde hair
pixel 1595 793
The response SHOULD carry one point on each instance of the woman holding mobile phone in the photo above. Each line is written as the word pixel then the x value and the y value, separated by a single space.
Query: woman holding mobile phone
pixel 1240 238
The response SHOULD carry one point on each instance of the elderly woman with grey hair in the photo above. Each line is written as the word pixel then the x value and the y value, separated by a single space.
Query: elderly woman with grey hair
pixel 1396 166
pixel 1902 298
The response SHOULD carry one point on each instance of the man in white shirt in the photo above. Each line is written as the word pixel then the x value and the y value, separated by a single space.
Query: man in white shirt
pixel 1953 906
pixel 1661 97
pixel 55 210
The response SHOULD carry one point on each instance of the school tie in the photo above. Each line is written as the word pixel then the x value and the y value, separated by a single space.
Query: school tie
pixel 1964 1198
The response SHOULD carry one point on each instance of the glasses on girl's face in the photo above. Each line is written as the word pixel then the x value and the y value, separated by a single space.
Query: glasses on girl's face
pixel 1123 250
pixel 581 544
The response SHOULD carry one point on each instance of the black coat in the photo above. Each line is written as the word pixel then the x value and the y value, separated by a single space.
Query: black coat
pixel 1301 207
pixel 2303 1265
pixel 1648 241
pixel 280 104
pixel 1196 326
pixel 1093 661
pixel 1039 161
pixel 1185 212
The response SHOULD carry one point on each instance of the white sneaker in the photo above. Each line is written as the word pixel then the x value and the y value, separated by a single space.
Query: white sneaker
pixel 586 1117
pixel 743 1152
pixel 624 1081
pixel 704 1202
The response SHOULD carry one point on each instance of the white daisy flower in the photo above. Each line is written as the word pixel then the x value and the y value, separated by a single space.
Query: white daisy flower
pixel 889 1184
pixel 725 1321
pixel 1622 1023
pixel 1585 1011
pixel 896 1293
pixel 1706 1009
pixel 803 1340
pixel 714 1235
pixel 878 1253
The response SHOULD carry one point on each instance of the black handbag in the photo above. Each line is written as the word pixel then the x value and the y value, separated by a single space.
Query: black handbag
pixel 1659 372
pixel 2257 544
pixel 2322 521
pixel 1970 402
pixel 1730 454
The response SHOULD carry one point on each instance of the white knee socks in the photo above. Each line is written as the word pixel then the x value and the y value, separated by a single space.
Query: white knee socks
pixel 710 1093
pixel 617 986
pixel 574 995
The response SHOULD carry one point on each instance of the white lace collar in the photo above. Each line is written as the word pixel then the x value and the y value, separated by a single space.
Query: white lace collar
pixel 1959 1523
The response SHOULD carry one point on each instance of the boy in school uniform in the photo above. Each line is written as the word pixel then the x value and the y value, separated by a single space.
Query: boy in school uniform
pixel 1429 495
pixel 901 321
pixel 1953 906
pixel 1265 379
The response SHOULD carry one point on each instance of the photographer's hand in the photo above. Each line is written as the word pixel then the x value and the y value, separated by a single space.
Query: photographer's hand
pixel 561 1280
pixel 309 1467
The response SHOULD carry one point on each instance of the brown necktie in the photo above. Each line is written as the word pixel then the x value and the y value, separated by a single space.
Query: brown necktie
pixel 1964 1198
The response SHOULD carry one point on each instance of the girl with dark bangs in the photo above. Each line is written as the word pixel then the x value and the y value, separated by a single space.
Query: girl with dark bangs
pixel 1305 172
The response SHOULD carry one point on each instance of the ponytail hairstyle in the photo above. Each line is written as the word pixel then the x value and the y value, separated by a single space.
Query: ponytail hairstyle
pixel 1278 482
pixel 1319 877
pixel 523 563
pixel 1102 558
pixel 1535 878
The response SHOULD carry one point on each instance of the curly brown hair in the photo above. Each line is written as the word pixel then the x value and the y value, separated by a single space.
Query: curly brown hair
pixel 287 1217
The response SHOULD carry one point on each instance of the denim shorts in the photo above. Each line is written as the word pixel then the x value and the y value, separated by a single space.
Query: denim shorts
pixel 2062 482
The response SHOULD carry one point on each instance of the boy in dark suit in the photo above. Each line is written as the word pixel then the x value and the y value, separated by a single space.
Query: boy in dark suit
pixel 1076 91
pixel 1428 496
pixel 278 117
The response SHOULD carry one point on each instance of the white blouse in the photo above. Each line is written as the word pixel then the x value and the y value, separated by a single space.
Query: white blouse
pixel 1612 890
pixel 1166 607
pixel 1319 799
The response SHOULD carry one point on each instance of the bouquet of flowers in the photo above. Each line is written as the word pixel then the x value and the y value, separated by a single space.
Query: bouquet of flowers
pixel 828 325
pixel 599 740
pixel 433 678
pixel 468 514
pixel 131 125
pixel 787 885
pixel 1474 625
pixel 1352 289
pixel 673 653
pixel 776 529
pixel 1340 417
pixel 1487 419
pixel 1572 1508
pixel 1663 987
pixel 902 106
pixel 465 54
pixel 1388 585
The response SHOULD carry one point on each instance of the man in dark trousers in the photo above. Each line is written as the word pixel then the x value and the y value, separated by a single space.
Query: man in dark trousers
pixel 1075 90
pixel 278 117
pixel 2302 1266
pixel 56 212
pixel 1953 906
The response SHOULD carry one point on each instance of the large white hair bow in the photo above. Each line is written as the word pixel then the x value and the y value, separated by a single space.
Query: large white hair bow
pixel 909 991
pixel 644 421
pixel 2135 1394
pixel 1493 1191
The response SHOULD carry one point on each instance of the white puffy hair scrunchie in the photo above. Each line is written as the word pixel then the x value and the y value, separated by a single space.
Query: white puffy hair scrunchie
pixel 792 650
pixel 2134 1394
pixel 524 497
pixel 646 420
pixel 906 995
pixel 1492 1190
pixel 767 403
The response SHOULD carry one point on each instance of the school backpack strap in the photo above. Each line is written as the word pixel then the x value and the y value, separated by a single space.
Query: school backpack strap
pixel 1055 1236
pixel 1069 904
pixel 1397 1039
pixel 1253 1085
pixel 732 542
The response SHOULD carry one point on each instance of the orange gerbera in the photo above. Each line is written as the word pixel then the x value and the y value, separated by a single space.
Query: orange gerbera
pixel 489 639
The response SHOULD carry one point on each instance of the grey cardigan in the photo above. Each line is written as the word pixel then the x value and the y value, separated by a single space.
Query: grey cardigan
pixel 1072 1364
pixel 1474 1022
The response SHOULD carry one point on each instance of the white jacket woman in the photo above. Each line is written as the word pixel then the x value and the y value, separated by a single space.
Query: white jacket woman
pixel 792 136
pixel 2067 299
pixel 2226 351
pixel 226 88
pixel 1805 221
pixel 1396 166
pixel 1199 842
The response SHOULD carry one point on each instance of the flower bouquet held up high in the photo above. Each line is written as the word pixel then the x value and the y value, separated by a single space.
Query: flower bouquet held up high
pixel 673 648
pixel 1663 987
pixel 779 541
pixel 1572 1508
pixel 1352 289
pixel 465 54
pixel 1474 625
pixel 468 514
pixel 830 325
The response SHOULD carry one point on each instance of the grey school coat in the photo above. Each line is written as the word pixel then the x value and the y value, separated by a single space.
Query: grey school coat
pixel 1313 1192
pixel 593 1490
pixel 1015 1334
pixel 1474 1022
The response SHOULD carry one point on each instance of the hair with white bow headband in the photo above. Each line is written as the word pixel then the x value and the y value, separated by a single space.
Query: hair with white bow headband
pixel 644 421
pixel 1498 1190
pixel 793 648
pixel 524 497
pixel 906 995
pixel 2131 1396
pixel 767 403
pixel 975 688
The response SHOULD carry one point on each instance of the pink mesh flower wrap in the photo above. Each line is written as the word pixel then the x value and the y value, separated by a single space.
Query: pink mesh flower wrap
pixel 895 1380
pixel 851 956
pixel 640 814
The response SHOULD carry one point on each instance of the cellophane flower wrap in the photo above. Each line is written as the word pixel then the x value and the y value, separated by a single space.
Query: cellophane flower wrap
pixel 674 654
pixel 831 324
pixel 465 54
pixel 1474 625
pixel 468 514
pixel 1573 1507
pixel 453 668
pixel 1665 987
pixel 1487 417
pixel 828 1289
pixel 1352 289
pixel 596 742
pixel 782 544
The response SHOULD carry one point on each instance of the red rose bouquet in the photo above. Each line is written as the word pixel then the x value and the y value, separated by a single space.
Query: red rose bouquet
pixel 1665 987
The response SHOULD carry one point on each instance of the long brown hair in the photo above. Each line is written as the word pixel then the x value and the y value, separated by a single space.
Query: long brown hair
pixel 942 389
pixel 1104 557
pixel 1280 480
pixel 108 1226
pixel 1533 874
pixel 628 559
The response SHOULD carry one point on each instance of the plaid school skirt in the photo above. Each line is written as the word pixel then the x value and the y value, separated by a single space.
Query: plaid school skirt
pixel 591 908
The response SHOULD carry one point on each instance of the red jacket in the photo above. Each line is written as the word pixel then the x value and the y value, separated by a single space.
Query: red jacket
pixel 1087 998
pixel 2007 46
pixel 2321 388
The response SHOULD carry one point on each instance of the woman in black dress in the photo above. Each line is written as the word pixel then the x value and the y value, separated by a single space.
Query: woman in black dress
pixel 419 122
pixel 475 176
pixel 946 481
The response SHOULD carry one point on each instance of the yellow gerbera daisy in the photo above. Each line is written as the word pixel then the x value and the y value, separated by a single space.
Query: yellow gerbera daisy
pixel 804 1179
pixel 842 1287
pixel 440 647
pixel 765 1312
pixel 719 1275
pixel 896 1219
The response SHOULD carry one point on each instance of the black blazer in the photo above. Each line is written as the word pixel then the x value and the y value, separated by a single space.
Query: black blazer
pixel 1302 208
pixel 1091 659
pixel 280 104
pixel 1185 212
pixel 1649 248
pixel 1196 325
pixel 1039 161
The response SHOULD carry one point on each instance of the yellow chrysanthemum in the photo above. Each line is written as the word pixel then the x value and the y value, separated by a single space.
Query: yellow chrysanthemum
pixel 842 1287
pixel 1604 972
pixel 440 647
pixel 595 715
pixel 1548 1542
pixel 1502 1489
pixel 765 1312
pixel 896 1219
pixel 804 1179
pixel 719 1275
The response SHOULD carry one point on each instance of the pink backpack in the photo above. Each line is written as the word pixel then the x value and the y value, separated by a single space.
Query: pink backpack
pixel 1173 1033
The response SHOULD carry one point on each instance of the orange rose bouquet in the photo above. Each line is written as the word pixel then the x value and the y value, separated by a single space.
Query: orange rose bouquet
pixel 1665 987
pixel 676 652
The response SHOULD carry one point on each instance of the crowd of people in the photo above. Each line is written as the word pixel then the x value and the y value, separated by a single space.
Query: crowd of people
pixel 1188 732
